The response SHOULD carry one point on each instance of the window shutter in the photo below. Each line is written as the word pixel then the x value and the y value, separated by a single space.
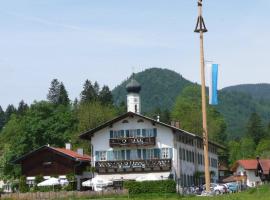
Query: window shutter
pixel 138 132
pixel 171 152
pixel 144 154
pixel 109 155
pixel 155 132
pixel 139 153
pixel 143 133
pixel 157 153
pixel 128 154
pixel 111 134
pixel 123 154
pixel 127 133
pixel 97 155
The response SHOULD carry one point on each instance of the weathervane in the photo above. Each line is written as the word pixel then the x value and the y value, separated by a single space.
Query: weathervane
pixel 201 28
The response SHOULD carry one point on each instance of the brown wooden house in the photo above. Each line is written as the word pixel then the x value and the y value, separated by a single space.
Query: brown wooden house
pixel 48 161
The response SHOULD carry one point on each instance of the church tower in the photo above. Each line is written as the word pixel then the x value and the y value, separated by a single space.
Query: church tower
pixel 133 97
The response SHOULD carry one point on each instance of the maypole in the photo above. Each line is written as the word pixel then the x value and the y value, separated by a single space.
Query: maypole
pixel 201 28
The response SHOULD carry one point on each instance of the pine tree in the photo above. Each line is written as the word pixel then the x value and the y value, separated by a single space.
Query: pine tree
pixel 88 94
pixel 255 128
pixel 105 96
pixel 63 95
pixel 96 89
pixel 9 111
pixel 2 118
pixel 53 95
pixel 22 108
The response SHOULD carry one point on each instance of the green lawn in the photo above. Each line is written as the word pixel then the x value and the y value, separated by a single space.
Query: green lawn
pixel 261 193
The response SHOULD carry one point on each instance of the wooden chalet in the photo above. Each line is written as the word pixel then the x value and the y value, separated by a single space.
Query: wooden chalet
pixel 48 161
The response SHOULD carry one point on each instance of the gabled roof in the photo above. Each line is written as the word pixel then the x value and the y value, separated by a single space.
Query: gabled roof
pixel 73 154
pixel 248 164
pixel 61 151
pixel 88 134
pixel 253 164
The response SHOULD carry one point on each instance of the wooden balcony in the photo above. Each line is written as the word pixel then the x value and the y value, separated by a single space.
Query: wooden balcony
pixel 127 166
pixel 131 142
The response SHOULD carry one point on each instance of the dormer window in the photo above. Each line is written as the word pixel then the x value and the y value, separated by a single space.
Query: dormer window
pixel 125 121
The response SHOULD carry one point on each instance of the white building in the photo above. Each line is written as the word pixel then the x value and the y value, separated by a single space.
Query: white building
pixel 132 145
pixel 253 171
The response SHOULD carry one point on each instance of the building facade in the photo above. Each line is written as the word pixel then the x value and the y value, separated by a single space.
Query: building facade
pixel 132 145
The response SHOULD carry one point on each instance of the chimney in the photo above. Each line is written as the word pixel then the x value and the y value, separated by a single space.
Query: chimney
pixel 80 151
pixel 68 146
pixel 172 123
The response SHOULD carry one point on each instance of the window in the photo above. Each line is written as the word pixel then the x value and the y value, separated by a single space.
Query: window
pixel 165 153
pixel 101 155
pixel 150 153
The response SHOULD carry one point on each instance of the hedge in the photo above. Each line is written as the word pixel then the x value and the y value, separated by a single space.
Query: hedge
pixel 165 186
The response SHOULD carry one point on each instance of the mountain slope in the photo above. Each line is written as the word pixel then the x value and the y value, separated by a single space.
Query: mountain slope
pixel 160 87
pixel 257 91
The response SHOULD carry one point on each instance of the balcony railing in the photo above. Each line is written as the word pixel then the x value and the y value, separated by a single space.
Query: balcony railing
pixel 134 141
pixel 126 166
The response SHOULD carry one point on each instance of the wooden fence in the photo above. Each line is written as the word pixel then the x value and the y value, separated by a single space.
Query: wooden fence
pixel 61 195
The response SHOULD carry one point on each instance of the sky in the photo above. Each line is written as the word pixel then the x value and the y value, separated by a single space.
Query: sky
pixel 106 40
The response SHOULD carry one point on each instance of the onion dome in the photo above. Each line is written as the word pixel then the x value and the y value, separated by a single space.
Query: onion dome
pixel 133 86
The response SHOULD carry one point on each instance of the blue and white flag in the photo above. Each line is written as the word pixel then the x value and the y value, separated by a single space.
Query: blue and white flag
pixel 213 81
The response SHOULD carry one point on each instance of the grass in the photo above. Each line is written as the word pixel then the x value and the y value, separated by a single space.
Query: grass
pixel 260 193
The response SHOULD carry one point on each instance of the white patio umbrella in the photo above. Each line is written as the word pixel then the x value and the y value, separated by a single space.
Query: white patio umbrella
pixel 97 182
pixel 49 182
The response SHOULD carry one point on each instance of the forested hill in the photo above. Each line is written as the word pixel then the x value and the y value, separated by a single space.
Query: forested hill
pixel 257 91
pixel 160 87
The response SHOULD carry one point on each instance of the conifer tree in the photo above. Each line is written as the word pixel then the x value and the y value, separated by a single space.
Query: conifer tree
pixel 105 95
pixel 9 111
pixel 63 95
pixel 255 128
pixel 53 95
pixel 2 118
pixel 88 94
pixel 22 107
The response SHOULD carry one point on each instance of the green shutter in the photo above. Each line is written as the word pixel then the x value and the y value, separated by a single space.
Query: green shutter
pixel 144 154
pixel 128 154
pixel 139 153
pixel 143 133
pixel 127 133
pixel 171 153
pixel 155 132
pixel 122 154
pixel 111 134
pixel 157 153
pixel 97 155
pixel 138 132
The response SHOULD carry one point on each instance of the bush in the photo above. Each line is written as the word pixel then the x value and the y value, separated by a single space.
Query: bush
pixel 166 186
pixel 23 187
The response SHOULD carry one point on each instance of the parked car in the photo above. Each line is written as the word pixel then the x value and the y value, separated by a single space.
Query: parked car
pixel 217 188
pixel 232 187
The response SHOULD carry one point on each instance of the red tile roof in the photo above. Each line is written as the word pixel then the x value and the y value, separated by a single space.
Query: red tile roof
pixel 248 164
pixel 252 164
pixel 73 154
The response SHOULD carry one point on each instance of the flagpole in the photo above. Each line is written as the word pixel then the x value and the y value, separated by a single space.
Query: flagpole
pixel 200 28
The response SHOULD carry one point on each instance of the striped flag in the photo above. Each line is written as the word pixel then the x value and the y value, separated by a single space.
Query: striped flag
pixel 213 81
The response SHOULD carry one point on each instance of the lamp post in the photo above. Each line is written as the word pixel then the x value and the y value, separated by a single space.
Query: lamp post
pixel 201 28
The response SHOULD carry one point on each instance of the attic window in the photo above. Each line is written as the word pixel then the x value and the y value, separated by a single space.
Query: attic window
pixel 140 121
pixel 125 121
